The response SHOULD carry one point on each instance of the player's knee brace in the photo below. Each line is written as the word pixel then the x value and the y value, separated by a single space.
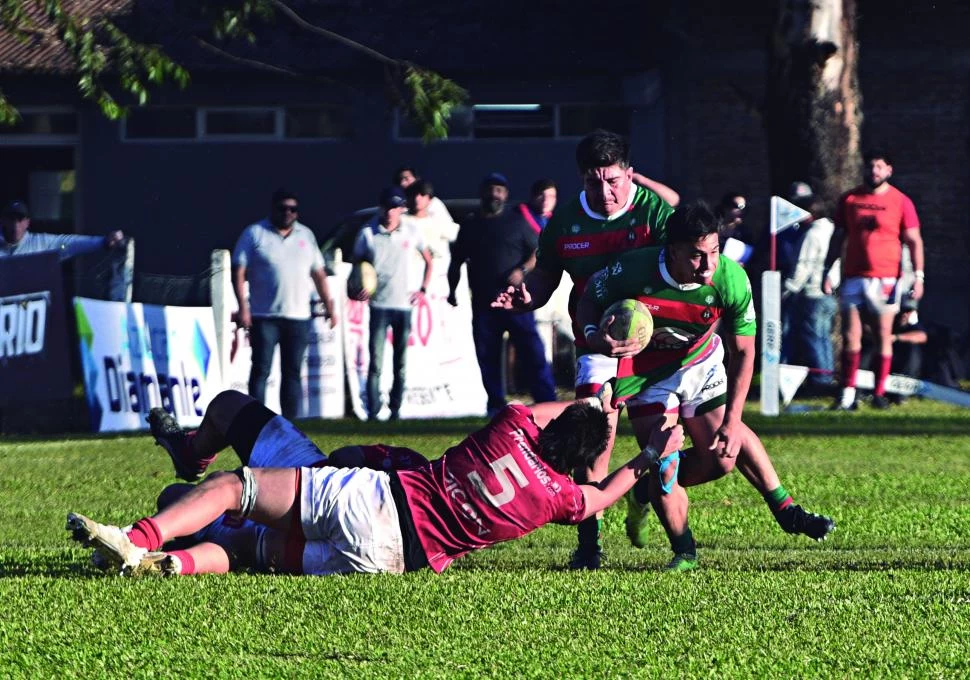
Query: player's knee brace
pixel 250 489
pixel 667 470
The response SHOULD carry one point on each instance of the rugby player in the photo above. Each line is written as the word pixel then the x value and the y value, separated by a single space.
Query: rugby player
pixel 688 289
pixel 500 483
pixel 610 216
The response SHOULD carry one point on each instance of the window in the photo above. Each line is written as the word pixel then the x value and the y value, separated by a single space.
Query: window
pixel 578 120
pixel 240 122
pixel 526 121
pixel 160 123
pixel 319 122
pixel 42 123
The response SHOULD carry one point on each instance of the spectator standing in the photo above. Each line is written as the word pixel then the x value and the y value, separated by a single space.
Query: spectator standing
pixel 542 201
pixel 437 230
pixel 17 239
pixel 806 310
pixel 737 240
pixel 875 220
pixel 388 243
pixel 405 176
pixel 282 263
pixel 500 246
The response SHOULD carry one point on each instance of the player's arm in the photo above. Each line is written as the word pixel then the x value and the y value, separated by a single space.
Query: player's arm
pixel 740 370
pixel 239 287
pixel 662 190
pixel 322 283
pixel 914 239
pixel 663 442
pixel 426 280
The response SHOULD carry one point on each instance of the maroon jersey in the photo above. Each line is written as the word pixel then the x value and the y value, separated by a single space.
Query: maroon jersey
pixel 491 487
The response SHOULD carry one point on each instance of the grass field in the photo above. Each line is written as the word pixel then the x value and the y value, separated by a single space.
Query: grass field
pixel 887 596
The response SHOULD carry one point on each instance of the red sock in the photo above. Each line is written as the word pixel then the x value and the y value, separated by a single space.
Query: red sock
pixel 850 367
pixel 146 534
pixel 188 564
pixel 885 363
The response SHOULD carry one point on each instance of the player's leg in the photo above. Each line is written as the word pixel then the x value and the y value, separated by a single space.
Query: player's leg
pixel 882 327
pixel 592 371
pixel 852 297
pixel 400 330
pixel 531 351
pixel 294 339
pixel 375 345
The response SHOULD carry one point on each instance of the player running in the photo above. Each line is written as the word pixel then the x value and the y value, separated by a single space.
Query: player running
pixel 688 289
pixel 500 483
pixel 613 215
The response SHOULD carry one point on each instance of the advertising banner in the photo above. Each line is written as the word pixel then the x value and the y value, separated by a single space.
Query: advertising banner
pixel 135 357
pixel 34 364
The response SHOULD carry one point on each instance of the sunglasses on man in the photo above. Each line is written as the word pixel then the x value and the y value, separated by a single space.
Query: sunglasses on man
pixel 283 208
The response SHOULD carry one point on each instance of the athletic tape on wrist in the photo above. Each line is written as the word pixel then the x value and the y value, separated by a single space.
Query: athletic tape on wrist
pixel 590 329
pixel 247 500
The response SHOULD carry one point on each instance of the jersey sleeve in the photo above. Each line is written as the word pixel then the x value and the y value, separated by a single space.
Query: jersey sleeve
pixel 317 262
pixel 910 219
pixel 738 304
pixel 362 246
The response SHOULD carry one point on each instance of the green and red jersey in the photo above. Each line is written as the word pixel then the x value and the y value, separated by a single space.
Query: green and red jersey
pixel 581 242
pixel 684 315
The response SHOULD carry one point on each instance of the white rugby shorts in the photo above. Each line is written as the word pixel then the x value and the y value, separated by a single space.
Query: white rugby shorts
pixel 874 295
pixel 593 370
pixel 350 522
pixel 692 390
pixel 280 444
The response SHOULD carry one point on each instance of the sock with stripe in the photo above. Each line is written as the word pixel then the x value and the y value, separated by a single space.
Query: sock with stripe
pixel 779 499
pixel 146 534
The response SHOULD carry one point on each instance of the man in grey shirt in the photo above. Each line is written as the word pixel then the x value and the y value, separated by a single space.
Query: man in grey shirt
pixel 17 239
pixel 280 258
pixel 390 244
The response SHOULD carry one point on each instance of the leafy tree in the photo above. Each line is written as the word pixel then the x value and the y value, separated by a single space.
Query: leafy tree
pixel 112 66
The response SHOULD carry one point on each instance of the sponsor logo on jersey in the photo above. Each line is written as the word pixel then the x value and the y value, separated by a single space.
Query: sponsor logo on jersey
pixel 23 322
pixel 712 386
pixel 575 228
pixel 578 245
pixel 460 498
pixel 668 337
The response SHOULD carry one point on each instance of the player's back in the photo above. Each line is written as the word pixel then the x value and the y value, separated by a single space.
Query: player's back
pixel 491 487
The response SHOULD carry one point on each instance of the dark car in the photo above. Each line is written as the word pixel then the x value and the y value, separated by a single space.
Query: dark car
pixel 343 234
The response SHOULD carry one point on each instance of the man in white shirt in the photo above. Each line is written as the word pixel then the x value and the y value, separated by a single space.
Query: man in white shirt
pixel 16 239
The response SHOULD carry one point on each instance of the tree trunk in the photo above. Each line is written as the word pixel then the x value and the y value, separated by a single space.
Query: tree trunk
pixel 813 114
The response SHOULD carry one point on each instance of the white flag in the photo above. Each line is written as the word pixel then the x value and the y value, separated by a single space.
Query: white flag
pixel 784 214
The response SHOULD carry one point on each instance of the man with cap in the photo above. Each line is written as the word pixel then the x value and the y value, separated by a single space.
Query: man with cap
pixel 806 309
pixel 17 239
pixel 280 259
pixel 389 243
pixel 499 246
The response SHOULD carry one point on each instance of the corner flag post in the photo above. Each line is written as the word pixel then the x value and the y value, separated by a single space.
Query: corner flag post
pixel 783 215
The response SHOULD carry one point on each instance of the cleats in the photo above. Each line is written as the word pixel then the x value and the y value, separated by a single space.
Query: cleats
pixel 584 558
pixel 167 433
pixel 795 520
pixel 636 520
pixel 879 401
pixel 682 562
pixel 115 551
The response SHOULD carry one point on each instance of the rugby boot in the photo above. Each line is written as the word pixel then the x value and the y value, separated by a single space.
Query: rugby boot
pixel 117 552
pixel 795 520
pixel 167 433
pixel 585 558
pixel 682 562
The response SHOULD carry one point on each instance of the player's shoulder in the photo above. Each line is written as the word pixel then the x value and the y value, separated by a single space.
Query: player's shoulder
pixel 730 274
pixel 565 214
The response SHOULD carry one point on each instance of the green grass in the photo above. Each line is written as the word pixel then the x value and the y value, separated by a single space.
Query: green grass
pixel 887 596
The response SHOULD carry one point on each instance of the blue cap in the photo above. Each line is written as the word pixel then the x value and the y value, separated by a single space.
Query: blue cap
pixel 393 197
pixel 496 178
pixel 16 208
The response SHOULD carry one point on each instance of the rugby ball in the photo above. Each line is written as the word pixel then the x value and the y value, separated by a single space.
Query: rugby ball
pixel 363 278
pixel 631 320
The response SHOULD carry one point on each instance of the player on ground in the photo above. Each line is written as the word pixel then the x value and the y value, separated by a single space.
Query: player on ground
pixel 688 289
pixel 500 483
pixel 611 216
pixel 875 219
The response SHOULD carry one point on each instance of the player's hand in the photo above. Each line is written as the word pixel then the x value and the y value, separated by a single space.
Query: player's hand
pixel 332 318
pixel 452 300
pixel 667 439
pixel 244 318
pixel 113 239
pixel 601 342
pixel 416 297
pixel 727 440
pixel 827 286
pixel 514 298
pixel 917 292
pixel 516 277
pixel 362 295
pixel 605 395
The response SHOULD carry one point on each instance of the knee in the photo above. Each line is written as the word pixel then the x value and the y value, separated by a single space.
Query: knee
pixel 172 493
pixel 722 466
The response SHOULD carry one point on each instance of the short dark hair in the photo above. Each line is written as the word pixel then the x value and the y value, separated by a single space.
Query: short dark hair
pixel 541 185
pixel 601 149
pixel 575 439
pixel 421 187
pixel 396 176
pixel 691 222
pixel 283 195
pixel 877 153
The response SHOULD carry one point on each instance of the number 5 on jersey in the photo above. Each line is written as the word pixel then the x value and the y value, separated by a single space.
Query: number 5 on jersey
pixel 504 464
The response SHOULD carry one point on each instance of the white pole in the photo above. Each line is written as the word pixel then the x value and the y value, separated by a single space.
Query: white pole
pixel 220 287
pixel 770 342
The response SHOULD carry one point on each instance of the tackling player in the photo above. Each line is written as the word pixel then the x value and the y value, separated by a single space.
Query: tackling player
pixel 500 483
pixel 688 289
pixel 612 215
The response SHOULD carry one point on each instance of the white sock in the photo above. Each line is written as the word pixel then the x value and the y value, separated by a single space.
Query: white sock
pixel 848 396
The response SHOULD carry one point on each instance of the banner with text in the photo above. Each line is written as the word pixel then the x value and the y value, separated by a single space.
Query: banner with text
pixel 135 357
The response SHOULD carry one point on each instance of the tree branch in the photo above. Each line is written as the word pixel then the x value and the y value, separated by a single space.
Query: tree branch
pixel 252 63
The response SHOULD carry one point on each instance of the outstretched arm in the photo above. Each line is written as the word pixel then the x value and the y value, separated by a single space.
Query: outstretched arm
pixel 662 190
pixel 610 490
pixel 534 291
